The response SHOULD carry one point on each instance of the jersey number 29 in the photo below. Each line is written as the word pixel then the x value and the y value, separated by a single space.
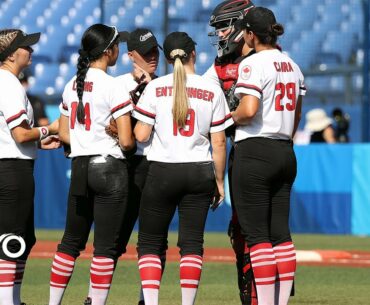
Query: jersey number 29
pixel 286 91
pixel 189 124
pixel 74 106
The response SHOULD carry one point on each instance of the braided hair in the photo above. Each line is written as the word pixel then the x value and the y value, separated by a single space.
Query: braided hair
pixel 94 42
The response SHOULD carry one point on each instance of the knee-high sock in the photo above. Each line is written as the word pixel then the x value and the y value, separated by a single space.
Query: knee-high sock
pixel 190 272
pixel 163 265
pixel 265 271
pixel 286 265
pixel 101 274
pixel 150 273
pixel 61 272
pixel 21 265
pixel 7 277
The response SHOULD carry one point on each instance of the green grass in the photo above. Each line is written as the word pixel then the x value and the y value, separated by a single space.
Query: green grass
pixel 314 285
pixel 320 285
pixel 220 240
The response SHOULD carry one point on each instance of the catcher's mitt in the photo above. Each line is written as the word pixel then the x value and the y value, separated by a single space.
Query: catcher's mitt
pixel 112 129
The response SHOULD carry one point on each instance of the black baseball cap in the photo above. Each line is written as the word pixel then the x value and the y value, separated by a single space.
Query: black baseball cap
pixel 21 40
pixel 258 20
pixel 178 40
pixel 141 40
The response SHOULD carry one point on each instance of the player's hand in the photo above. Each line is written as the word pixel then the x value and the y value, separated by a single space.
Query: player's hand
pixel 218 197
pixel 51 142
pixel 140 75
pixel 112 129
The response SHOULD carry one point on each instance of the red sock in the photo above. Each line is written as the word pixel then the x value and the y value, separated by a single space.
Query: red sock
pixel 101 274
pixel 150 273
pixel 286 264
pixel 7 277
pixel 264 269
pixel 190 272
pixel 61 272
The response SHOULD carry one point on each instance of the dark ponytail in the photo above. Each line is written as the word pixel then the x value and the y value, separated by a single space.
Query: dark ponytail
pixel 82 68
pixel 271 36
pixel 95 40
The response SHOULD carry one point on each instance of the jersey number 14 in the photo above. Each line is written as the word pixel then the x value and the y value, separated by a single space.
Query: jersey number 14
pixel 287 91
pixel 74 106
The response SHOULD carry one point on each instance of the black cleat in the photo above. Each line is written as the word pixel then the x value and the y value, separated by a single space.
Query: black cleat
pixel 88 301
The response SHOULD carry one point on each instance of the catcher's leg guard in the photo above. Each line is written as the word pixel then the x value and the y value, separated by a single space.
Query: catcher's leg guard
pixel 248 294
pixel 247 290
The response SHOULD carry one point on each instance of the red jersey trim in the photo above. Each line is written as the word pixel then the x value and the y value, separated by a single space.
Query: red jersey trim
pixel 16 116
pixel 143 112
pixel 249 87
pixel 120 106
pixel 217 123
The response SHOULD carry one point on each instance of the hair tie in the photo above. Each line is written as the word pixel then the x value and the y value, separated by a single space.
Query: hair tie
pixel 178 53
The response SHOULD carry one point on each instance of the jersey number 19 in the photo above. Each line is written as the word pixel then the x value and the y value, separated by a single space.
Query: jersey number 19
pixel 189 124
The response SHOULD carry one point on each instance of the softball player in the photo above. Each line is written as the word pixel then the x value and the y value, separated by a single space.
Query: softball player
pixel 231 50
pixel 270 87
pixel 186 112
pixel 99 180
pixel 18 142
pixel 143 50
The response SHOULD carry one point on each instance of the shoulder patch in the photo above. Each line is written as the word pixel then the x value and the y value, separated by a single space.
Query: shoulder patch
pixel 246 72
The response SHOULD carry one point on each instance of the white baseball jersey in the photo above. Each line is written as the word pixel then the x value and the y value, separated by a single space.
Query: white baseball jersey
pixel 212 76
pixel 14 109
pixel 276 80
pixel 208 113
pixel 128 82
pixel 103 98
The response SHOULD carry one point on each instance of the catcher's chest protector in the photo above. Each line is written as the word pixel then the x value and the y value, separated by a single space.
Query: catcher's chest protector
pixel 227 74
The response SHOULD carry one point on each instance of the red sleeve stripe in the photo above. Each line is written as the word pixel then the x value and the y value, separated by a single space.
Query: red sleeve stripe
pixel 143 112
pixel 217 123
pixel 16 116
pixel 249 87
pixel 120 106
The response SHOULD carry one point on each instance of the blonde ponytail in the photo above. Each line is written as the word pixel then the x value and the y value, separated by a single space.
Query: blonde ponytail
pixel 180 97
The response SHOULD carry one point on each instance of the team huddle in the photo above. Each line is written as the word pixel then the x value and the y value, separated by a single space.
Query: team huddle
pixel 144 146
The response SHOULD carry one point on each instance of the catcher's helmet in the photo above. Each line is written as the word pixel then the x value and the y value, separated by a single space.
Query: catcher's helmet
pixel 225 37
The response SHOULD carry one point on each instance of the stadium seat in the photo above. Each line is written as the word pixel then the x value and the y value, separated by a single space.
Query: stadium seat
pixel 313 39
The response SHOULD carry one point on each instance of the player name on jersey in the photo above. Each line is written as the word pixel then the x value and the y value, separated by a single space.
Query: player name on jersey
pixel 88 86
pixel 197 93
pixel 283 67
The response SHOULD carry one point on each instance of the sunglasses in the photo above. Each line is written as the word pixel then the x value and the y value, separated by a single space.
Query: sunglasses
pixel 116 34
pixel 27 48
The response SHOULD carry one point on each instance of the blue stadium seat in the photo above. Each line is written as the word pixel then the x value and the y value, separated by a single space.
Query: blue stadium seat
pixel 185 9
pixel 66 52
pixel 8 10
pixel 327 60
pixel 314 31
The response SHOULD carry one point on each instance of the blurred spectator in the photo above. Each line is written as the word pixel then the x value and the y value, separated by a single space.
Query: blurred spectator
pixel 341 125
pixel 39 113
pixel 320 126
